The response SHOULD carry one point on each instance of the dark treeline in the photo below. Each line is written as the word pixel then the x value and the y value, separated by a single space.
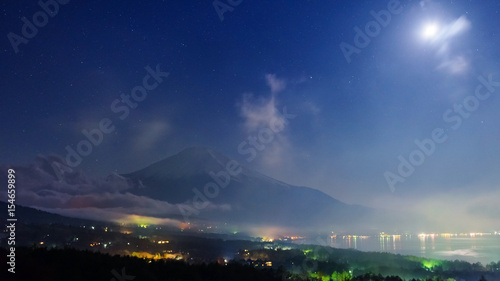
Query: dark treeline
pixel 41 264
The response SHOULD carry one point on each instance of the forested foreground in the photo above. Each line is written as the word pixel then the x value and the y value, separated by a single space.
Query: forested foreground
pixel 70 264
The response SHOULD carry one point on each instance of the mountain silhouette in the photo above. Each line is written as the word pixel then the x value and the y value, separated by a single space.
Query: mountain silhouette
pixel 219 188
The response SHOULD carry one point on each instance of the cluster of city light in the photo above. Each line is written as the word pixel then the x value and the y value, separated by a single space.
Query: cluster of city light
pixel 449 235
pixel 383 235
pixel 291 238
pixel 481 234
pixel 158 256
pixel 267 239
pixel 354 237
pixel 394 236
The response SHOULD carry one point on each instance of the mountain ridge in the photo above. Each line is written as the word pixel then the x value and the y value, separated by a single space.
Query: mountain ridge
pixel 252 196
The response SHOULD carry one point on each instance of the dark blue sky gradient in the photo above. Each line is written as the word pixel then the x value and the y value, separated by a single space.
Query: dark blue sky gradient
pixel 353 119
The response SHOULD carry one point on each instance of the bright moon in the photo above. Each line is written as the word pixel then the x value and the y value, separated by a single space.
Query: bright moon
pixel 430 31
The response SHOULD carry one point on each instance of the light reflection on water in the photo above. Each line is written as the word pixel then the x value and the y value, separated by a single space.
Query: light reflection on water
pixel 484 249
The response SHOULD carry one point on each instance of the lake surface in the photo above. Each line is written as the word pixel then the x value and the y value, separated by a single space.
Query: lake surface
pixel 484 249
pixel 471 248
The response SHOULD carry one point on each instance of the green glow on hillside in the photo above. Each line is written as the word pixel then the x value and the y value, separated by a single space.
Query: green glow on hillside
pixel 430 264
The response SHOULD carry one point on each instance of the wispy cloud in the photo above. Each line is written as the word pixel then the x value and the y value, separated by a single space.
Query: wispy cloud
pixel 311 108
pixel 456 27
pixel 100 198
pixel 443 42
pixel 148 134
pixel 462 211
pixel 456 65
pixel 276 85
pixel 258 114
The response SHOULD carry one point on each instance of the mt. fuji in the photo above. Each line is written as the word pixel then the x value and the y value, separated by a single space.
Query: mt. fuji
pixel 207 185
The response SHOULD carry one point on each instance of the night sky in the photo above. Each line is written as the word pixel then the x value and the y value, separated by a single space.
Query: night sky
pixel 358 101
